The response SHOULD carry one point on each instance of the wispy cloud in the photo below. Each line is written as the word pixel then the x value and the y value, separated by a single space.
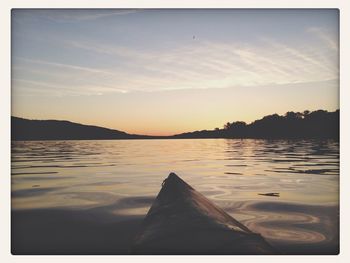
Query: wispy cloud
pixel 216 65
pixel 82 15
pixel 324 35
pixel 42 88
pixel 66 66
pixel 195 65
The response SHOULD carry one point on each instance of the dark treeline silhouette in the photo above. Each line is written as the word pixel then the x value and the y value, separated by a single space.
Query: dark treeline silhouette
pixel 24 129
pixel 317 124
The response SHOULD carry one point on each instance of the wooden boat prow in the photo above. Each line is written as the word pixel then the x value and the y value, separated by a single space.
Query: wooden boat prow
pixel 183 221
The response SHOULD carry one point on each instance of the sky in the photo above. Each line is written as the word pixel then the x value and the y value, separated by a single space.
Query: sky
pixel 163 72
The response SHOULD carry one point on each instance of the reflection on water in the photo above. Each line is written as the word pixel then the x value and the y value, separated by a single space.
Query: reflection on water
pixel 122 177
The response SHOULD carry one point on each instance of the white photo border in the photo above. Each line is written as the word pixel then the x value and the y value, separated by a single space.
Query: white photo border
pixel 5 106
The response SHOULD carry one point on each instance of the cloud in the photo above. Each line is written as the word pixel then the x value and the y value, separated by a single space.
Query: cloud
pixel 323 35
pixel 66 66
pixel 42 88
pixel 82 15
pixel 305 56
pixel 196 65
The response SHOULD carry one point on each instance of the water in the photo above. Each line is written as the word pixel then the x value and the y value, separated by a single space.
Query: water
pixel 123 177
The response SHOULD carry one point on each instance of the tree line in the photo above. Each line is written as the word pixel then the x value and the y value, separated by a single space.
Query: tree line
pixel 307 124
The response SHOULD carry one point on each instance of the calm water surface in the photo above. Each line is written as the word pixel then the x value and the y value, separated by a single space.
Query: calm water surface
pixel 124 176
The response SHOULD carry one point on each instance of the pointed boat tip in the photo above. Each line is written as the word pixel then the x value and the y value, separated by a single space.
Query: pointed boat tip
pixel 173 175
pixel 173 179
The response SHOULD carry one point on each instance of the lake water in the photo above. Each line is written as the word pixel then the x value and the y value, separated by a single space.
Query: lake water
pixel 122 177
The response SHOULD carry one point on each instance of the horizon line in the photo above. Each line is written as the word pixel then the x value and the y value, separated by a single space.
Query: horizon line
pixel 154 135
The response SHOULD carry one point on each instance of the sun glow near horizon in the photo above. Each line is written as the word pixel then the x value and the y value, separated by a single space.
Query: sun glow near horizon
pixel 163 72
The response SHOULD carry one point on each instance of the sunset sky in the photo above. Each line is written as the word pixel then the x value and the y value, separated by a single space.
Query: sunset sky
pixel 164 72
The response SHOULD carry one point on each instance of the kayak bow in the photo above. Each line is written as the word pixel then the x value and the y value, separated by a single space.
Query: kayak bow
pixel 183 221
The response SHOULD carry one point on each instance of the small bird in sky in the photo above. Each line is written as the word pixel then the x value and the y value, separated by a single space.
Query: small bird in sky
pixel 194 37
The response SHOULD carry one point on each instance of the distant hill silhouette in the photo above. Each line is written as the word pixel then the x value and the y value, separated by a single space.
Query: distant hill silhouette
pixel 24 129
pixel 317 124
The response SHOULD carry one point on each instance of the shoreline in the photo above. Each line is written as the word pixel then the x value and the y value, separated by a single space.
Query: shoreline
pixel 180 138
